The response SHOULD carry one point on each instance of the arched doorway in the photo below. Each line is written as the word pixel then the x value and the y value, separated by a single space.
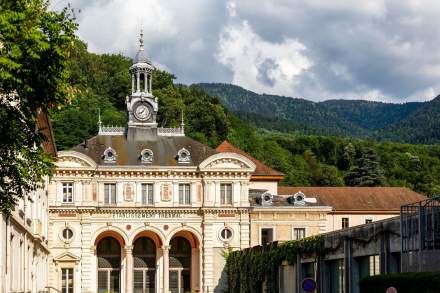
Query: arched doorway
pixel 109 265
pixel 180 265
pixel 144 271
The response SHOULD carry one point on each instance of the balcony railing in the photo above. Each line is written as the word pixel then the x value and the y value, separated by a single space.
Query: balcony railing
pixel 170 131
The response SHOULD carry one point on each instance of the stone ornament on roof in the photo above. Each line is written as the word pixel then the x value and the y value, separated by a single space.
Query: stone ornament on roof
pixel 183 156
pixel 109 155
pixel 147 156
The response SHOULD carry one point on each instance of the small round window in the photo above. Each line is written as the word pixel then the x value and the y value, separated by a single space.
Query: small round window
pixel 226 234
pixel 67 234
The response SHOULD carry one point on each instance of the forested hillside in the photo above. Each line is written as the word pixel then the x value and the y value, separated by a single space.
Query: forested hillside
pixel 101 82
pixel 416 122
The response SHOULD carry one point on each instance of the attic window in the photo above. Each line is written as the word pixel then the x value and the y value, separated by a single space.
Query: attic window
pixel 297 199
pixel 183 156
pixel 147 156
pixel 266 199
pixel 109 155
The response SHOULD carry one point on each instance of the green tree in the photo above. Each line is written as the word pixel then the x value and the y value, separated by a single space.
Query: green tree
pixel 366 171
pixel 34 47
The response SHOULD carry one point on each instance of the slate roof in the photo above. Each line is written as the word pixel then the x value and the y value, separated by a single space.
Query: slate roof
pixel 358 198
pixel 260 170
pixel 128 152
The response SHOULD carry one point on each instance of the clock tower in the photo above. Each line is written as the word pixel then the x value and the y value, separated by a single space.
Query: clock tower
pixel 142 106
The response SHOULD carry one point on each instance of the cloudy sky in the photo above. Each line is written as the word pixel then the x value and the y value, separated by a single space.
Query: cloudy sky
pixel 313 49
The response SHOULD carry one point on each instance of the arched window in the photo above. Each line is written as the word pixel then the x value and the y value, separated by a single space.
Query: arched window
pixel 109 265
pixel 180 265
pixel 144 256
pixel 142 82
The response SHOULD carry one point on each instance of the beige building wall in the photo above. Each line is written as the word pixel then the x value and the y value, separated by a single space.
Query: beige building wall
pixel 271 186
pixel 334 220
pixel 283 221
pixel 23 246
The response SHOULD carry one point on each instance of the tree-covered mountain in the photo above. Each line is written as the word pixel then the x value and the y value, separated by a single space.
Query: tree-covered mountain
pixel 415 122
pixel 101 82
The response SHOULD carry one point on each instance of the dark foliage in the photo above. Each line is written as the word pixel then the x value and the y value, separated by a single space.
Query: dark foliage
pixel 404 283
pixel 409 122
pixel 34 48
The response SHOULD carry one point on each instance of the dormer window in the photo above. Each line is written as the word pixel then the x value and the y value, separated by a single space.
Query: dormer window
pixel 147 156
pixel 297 199
pixel 109 155
pixel 183 156
pixel 266 199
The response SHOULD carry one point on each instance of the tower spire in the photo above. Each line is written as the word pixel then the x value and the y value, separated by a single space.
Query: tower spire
pixel 141 39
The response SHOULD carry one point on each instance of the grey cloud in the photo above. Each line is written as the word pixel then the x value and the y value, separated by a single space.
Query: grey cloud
pixel 356 47
pixel 264 72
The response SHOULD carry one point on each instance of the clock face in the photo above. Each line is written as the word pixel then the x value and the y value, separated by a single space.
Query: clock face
pixel 142 112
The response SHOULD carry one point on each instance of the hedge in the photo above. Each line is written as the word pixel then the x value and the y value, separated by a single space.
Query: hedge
pixel 404 283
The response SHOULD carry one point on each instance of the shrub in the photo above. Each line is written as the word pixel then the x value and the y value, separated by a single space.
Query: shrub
pixel 426 282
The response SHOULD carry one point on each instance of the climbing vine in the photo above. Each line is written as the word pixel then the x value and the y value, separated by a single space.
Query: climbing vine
pixel 248 269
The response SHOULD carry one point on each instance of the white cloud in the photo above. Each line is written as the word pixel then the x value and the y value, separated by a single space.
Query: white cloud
pixel 260 65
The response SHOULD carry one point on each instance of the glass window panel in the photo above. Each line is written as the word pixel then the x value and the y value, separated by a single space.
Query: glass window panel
pixel 266 236
pixel 109 193
pixel 67 192
pixel 150 277
pixel 184 194
pixel 186 281
pixel 174 281
pixel 138 281
pixel 299 233
pixel 102 281
pixel 147 193
pixel 114 281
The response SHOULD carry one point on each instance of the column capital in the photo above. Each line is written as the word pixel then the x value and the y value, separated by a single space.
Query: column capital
pixel 128 248
pixel 166 247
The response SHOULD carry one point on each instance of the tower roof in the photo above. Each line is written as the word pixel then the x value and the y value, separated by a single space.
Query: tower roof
pixel 141 55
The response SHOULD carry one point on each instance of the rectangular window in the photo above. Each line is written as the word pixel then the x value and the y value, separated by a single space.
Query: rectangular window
pixel 147 193
pixel 299 233
pixel 368 221
pixel 109 193
pixel 345 223
pixel 184 194
pixel 67 192
pixel 226 193
pixel 67 280
pixel 266 236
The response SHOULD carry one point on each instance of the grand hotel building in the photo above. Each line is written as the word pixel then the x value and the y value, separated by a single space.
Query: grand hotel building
pixel 147 209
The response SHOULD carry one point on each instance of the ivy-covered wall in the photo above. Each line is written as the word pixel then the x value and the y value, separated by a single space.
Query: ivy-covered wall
pixel 248 269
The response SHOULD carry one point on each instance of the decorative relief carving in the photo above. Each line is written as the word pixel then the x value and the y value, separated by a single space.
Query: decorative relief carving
pixel 166 192
pixel 128 191
pixel 199 192
pixel 94 192
pixel 226 163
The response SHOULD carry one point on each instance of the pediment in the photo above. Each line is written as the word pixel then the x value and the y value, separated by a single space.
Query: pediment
pixel 66 257
pixel 228 161
pixel 72 159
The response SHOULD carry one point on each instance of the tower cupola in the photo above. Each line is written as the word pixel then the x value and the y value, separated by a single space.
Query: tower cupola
pixel 141 71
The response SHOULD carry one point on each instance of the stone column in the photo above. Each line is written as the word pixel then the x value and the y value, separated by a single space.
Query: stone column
pixel 87 255
pixel 132 82
pixel 129 269
pixel 138 82
pixel 208 257
pixel 166 269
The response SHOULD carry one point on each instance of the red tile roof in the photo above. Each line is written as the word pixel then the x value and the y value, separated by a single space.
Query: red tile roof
pixel 358 198
pixel 261 169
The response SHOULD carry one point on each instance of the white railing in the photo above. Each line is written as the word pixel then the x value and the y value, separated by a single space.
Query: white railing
pixel 170 131
pixel 111 130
